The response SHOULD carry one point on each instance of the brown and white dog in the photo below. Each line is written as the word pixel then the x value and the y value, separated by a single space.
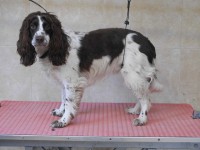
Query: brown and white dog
pixel 77 60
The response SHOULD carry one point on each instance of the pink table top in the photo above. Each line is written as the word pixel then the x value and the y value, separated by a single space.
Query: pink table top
pixel 98 119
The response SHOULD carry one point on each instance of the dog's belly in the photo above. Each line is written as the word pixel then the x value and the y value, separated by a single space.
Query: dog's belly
pixel 101 68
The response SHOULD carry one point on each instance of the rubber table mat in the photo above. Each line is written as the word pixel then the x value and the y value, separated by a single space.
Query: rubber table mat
pixel 98 119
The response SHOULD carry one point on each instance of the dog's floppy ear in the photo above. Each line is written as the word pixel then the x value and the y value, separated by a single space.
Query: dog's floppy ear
pixel 24 46
pixel 59 44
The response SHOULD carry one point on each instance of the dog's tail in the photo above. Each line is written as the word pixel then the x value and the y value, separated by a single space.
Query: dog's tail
pixel 155 86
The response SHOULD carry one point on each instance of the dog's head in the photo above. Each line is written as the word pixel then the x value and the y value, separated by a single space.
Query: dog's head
pixel 41 34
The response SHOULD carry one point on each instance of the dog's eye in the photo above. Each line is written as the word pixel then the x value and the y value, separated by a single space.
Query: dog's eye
pixel 33 27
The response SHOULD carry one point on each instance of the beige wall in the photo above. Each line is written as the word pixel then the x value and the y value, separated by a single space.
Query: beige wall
pixel 172 25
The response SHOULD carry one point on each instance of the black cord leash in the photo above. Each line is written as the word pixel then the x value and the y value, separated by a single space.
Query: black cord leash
pixel 127 18
pixel 126 24
pixel 38 5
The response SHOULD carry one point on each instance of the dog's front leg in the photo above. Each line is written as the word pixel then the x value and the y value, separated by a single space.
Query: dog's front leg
pixel 73 95
pixel 60 111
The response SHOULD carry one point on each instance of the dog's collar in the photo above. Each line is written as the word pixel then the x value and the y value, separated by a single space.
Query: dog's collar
pixel 44 55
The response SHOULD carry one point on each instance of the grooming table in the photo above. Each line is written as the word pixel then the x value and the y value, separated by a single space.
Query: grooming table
pixel 25 123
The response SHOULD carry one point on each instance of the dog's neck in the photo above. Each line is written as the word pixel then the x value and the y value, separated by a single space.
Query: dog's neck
pixel 44 55
pixel 41 51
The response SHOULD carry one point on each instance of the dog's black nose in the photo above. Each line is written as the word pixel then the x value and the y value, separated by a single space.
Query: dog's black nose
pixel 39 39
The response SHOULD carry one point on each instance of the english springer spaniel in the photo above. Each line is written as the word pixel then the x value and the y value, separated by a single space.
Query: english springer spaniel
pixel 77 60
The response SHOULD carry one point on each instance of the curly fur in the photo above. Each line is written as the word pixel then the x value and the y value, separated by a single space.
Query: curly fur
pixel 58 46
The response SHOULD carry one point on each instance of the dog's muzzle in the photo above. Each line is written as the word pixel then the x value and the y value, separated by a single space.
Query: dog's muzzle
pixel 39 40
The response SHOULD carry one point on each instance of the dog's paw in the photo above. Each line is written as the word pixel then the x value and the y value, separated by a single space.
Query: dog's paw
pixel 58 124
pixel 133 111
pixel 138 122
pixel 57 112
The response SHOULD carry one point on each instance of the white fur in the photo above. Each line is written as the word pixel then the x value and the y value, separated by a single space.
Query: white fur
pixel 136 71
pixel 40 49
pixel 101 68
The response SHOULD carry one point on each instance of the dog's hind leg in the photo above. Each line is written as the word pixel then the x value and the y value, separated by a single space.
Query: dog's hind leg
pixel 145 107
pixel 139 72
pixel 134 110
pixel 139 86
